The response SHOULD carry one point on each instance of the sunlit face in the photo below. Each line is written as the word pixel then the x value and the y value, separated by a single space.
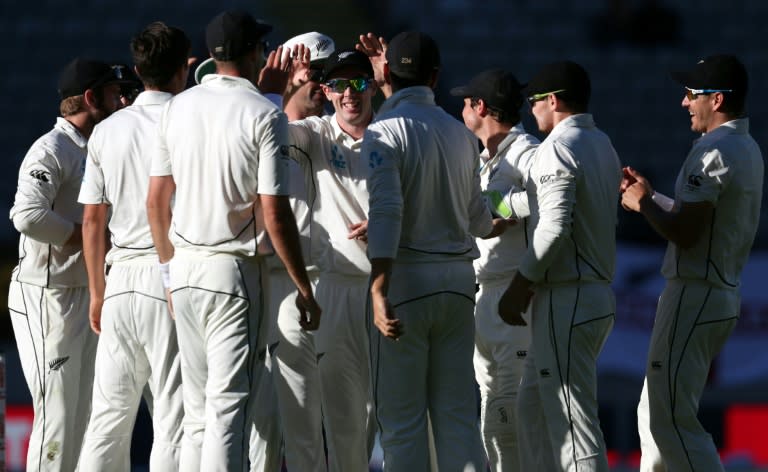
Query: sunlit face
pixel 311 98
pixel 544 115
pixel 470 116
pixel 701 110
pixel 352 108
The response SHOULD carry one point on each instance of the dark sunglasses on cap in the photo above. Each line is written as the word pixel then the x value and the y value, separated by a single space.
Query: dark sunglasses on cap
pixel 359 84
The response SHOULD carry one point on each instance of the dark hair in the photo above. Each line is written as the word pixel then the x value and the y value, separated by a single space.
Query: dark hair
pixel 573 104
pixel 158 52
pixel 399 83
pixel 508 117
pixel 733 103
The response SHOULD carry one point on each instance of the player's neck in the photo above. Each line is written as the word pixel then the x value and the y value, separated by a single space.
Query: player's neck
pixel 493 136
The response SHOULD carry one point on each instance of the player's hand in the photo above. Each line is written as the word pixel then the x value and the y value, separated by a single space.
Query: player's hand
pixel 274 76
pixel 94 314
pixel 499 226
pixel 169 299
pixel 636 193
pixel 300 70
pixel 384 318
pixel 309 312
pixel 515 301
pixel 375 47
pixel 359 231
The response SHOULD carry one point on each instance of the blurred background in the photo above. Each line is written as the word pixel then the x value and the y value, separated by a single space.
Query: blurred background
pixel 628 47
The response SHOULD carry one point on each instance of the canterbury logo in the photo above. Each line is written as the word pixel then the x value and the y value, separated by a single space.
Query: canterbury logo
pixel 40 175
pixel 57 363
pixel 695 180
pixel 521 354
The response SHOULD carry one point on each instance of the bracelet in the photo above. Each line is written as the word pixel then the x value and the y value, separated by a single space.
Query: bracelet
pixel 165 273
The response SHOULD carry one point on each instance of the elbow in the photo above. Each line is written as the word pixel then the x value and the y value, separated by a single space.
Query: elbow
pixel 22 225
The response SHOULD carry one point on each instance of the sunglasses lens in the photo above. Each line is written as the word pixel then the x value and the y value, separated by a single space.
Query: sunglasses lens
pixel 359 85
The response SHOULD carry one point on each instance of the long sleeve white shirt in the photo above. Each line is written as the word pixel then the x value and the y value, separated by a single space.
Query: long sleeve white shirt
pixel 506 172
pixel 45 209
pixel 573 188
pixel 425 200
pixel 725 168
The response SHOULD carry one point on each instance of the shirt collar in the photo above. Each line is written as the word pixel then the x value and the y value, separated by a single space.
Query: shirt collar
pixel 418 94
pixel 510 138
pixel 152 97
pixel 340 135
pixel 70 130
pixel 580 120
pixel 228 81
pixel 737 126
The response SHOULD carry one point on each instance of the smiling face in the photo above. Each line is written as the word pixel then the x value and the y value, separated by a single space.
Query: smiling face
pixel 353 108
pixel 701 109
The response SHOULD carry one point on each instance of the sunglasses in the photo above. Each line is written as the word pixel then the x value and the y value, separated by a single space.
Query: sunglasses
pixel 541 96
pixel 691 94
pixel 359 84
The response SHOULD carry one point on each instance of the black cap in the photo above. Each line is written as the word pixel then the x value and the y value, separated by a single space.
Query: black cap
pixel 498 88
pixel 347 58
pixel 413 55
pixel 83 74
pixel 719 72
pixel 233 33
pixel 567 76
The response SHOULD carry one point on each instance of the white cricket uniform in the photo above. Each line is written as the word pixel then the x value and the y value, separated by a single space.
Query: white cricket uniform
pixel 572 189
pixel 292 349
pixel 700 304
pixel 500 349
pixel 223 143
pixel 137 345
pixel 333 158
pixel 425 207
pixel 48 298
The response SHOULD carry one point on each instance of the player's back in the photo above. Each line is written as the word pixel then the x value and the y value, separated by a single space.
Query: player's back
pixel 438 173
pixel 216 136
pixel 122 146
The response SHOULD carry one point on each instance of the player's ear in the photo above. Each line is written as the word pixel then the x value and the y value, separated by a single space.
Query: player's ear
pixel 482 108
pixel 90 100
pixel 717 101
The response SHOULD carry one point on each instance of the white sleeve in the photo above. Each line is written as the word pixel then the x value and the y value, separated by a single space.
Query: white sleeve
pixel 385 214
pixel 512 176
pixel 271 135
pixel 92 188
pixel 555 171
pixel 32 213
pixel 480 218
pixel 161 158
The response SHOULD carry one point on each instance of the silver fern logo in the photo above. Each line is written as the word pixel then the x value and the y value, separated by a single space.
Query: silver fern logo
pixel 56 364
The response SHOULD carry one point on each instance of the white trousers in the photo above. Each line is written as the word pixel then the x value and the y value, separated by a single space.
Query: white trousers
pixel 558 426
pixel 428 372
pixel 218 302
pixel 297 379
pixel 500 352
pixel 57 350
pixel 693 321
pixel 137 348
pixel 343 358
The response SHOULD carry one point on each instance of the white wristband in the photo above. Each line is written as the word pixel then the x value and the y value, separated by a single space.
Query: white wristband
pixel 165 273
pixel 663 201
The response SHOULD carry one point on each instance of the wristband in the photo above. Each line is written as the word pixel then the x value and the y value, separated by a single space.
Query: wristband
pixel 663 201
pixel 165 273
pixel 497 204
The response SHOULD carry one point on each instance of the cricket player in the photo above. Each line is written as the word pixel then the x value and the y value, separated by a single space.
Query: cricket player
pixel 569 265
pixel 137 343
pixel 48 297
pixel 329 148
pixel 492 101
pixel 425 207
pixel 223 148
pixel 294 358
pixel 710 225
